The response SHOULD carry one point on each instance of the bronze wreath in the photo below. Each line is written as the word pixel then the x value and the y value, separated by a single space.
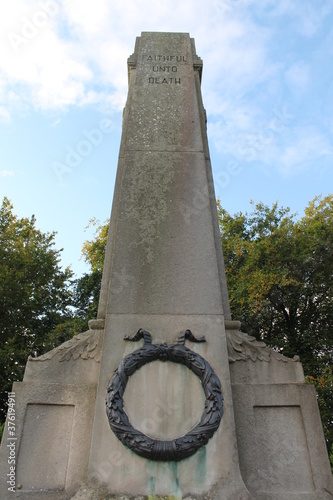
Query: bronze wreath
pixel 181 447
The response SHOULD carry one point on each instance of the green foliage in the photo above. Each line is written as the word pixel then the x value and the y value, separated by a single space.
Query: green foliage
pixel 87 288
pixel 34 294
pixel 94 251
pixel 41 306
pixel 279 274
pixel 84 291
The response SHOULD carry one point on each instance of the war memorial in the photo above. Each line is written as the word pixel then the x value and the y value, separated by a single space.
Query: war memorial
pixel 164 397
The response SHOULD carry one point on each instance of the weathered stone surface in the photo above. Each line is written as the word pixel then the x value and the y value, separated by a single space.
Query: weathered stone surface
pixel 53 433
pixel 217 463
pixel 76 361
pixel 165 418
pixel 164 248
pixel 252 361
pixel 164 273
pixel 48 468
pixel 281 444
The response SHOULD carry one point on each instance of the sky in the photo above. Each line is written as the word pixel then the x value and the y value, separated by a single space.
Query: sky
pixel 267 88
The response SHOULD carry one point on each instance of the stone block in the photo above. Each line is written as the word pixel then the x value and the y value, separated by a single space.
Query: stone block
pixel 280 441
pixel 53 436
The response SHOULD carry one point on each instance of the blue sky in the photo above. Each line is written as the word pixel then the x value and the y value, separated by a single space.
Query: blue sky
pixel 267 88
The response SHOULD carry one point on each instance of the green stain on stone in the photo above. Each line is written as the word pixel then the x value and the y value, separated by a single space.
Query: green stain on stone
pixel 175 494
pixel 201 472
pixel 153 497
pixel 152 482
pixel 174 474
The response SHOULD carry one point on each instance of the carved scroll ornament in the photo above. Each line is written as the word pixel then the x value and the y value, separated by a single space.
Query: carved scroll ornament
pixel 86 345
pixel 181 447
pixel 243 347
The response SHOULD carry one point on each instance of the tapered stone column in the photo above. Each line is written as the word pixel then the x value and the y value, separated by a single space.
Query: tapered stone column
pixel 164 273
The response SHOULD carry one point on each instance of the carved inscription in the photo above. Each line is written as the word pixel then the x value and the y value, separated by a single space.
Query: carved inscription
pixel 164 68
pixel 159 58
pixel 164 80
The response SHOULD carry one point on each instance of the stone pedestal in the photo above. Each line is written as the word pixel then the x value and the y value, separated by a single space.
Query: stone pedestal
pixel 164 273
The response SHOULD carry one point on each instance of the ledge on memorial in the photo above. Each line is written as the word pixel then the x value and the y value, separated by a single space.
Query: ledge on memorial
pixel 245 351
pixel 74 361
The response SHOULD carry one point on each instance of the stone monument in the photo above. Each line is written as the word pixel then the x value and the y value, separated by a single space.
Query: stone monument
pixel 164 396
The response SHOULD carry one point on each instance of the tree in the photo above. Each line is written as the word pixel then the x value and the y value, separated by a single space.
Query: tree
pixel 84 291
pixel 35 294
pixel 279 274
pixel 87 288
pixel 93 251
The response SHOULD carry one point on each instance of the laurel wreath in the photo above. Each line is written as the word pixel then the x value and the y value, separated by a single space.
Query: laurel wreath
pixel 143 445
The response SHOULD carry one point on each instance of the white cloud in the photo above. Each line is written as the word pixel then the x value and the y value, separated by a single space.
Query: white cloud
pixel 306 16
pixel 7 173
pixel 312 17
pixel 308 150
pixel 45 70
pixel 79 58
pixel 86 45
pixel 4 114
pixel 55 123
pixel 278 144
pixel 87 19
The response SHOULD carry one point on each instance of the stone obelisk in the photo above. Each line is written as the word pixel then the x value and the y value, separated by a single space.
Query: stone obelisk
pixel 164 273
pixel 164 397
